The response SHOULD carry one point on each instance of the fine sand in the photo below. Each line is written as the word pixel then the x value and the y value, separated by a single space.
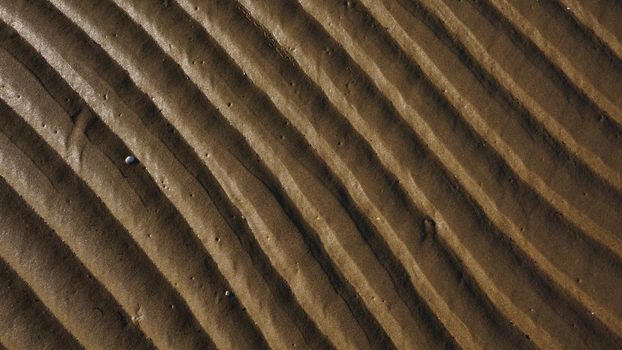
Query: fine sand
pixel 430 174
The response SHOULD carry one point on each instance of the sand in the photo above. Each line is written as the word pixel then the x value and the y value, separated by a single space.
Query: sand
pixel 250 174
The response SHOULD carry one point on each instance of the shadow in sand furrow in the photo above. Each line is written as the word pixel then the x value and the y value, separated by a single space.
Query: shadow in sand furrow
pixel 302 53
pixel 193 165
pixel 584 249
pixel 334 174
pixel 252 93
pixel 97 239
pixel 163 233
pixel 593 27
pixel 606 12
pixel 542 82
pixel 525 319
pixel 27 323
pixel 567 283
pixel 247 69
pixel 581 215
pixel 300 87
pixel 535 113
pixel 200 193
pixel 527 36
pixel 61 281
pixel 295 140
pixel 570 48
pixel 541 217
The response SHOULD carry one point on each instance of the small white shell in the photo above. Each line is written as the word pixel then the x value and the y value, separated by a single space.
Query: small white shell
pixel 130 160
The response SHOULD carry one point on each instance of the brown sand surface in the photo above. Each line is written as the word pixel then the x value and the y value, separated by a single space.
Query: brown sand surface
pixel 408 174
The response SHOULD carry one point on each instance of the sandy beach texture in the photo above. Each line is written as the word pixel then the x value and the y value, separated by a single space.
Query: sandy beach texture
pixel 248 174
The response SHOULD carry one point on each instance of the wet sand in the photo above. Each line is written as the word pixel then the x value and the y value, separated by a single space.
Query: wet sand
pixel 286 174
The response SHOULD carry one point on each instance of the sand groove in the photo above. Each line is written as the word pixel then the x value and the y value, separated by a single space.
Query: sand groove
pixel 314 174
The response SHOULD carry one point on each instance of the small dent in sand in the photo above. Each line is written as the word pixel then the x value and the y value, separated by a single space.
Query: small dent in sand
pixel 428 228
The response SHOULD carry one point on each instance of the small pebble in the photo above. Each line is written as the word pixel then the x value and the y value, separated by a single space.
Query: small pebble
pixel 130 160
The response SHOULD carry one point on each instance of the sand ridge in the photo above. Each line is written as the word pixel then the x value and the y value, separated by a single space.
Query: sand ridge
pixel 310 174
